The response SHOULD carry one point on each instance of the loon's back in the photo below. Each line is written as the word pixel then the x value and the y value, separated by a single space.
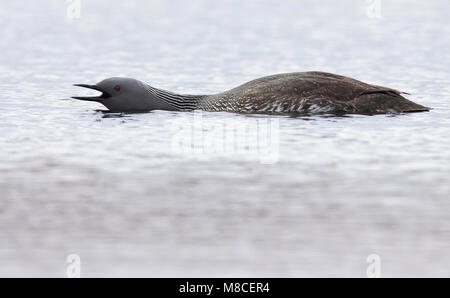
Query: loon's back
pixel 310 92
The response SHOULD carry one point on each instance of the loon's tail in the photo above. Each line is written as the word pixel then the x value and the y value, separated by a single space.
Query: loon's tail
pixel 385 101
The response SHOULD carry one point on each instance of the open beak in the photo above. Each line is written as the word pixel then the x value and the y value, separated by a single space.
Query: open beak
pixel 92 98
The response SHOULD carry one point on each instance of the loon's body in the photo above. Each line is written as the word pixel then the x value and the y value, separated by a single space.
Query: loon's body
pixel 291 93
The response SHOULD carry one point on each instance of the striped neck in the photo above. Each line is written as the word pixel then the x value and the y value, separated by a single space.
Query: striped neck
pixel 178 101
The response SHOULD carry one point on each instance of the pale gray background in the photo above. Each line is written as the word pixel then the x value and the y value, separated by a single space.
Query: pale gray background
pixel 111 190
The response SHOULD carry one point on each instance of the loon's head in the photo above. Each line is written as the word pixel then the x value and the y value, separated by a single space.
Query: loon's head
pixel 125 95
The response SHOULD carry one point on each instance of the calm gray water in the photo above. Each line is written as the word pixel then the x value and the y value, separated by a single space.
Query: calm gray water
pixel 123 194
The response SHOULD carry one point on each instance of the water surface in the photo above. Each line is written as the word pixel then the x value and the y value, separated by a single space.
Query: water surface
pixel 118 191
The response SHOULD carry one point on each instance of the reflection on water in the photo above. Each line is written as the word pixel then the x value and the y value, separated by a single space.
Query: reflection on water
pixel 111 188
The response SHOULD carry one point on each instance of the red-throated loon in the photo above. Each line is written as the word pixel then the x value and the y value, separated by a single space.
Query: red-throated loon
pixel 290 93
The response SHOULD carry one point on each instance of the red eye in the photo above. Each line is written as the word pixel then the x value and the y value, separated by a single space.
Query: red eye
pixel 117 88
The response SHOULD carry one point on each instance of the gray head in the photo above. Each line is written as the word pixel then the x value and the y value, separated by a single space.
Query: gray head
pixel 124 95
